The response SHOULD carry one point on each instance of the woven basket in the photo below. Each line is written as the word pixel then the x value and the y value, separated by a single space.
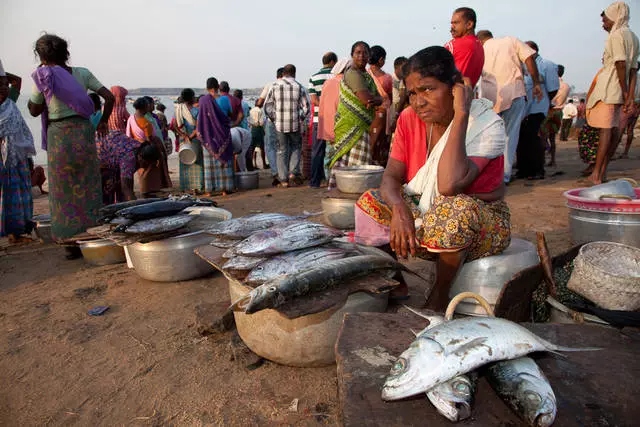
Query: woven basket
pixel 608 274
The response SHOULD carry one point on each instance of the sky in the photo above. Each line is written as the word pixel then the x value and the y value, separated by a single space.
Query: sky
pixel 180 43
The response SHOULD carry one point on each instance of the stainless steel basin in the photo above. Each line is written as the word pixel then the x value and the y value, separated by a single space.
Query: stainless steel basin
pixel 593 226
pixel 339 213
pixel 358 179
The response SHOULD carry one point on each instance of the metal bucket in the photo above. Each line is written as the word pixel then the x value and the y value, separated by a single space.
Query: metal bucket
pixel 187 153
pixel 247 180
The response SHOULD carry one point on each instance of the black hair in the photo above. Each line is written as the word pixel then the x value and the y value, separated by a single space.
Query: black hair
pixel 434 61
pixel 376 53
pixel 150 101
pixel 149 152
pixel 224 86
pixel 468 14
pixel 237 93
pixel 187 95
pixel 329 57
pixel 52 49
pixel 212 83
pixel 570 101
pixel 289 70
pixel 360 43
pixel 96 100
pixel 583 100
pixel 280 72
pixel 560 70
pixel 141 103
pixel 400 60
pixel 160 106
pixel 533 45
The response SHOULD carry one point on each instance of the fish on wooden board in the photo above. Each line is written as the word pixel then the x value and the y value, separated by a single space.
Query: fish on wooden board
pixel 243 227
pixel 330 275
pixel 157 209
pixel 459 346
pixel 286 237
pixel 159 225
pixel 522 385
pixel 243 263
pixel 106 213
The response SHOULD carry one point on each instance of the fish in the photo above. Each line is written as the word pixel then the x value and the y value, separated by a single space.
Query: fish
pixel 286 237
pixel 107 212
pixel 156 209
pixel 459 346
pixel 243 227
pixel 223 243
pixel 292 262
pixel 159 225
pixel 243 263
pixel 522 385
pixel 276 292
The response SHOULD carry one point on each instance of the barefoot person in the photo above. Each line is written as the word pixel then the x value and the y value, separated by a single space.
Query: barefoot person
pixel 611 88
pixel 448 150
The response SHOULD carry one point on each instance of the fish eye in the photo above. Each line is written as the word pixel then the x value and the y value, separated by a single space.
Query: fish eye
pixel 461 387
pixel 533 397
pixel 399 366
pixel 272 289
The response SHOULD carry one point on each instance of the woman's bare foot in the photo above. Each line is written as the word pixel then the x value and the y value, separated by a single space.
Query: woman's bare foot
pixel 15 239
pixel 588 171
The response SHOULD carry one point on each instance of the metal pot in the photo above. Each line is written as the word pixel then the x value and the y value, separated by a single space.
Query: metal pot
pixel 102 252
pixel 487 276
pixel 247 180
pixel 358 179
pixel 43 227
pixel 187 154
pixel 172 259
pixel 612 189
pixel 339 213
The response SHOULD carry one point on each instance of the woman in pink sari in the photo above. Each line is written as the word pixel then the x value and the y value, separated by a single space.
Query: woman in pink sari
pixel 379 130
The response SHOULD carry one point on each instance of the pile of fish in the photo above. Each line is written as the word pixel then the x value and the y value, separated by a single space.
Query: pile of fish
pixel 146 219
pixel 287 257
pixel 443 359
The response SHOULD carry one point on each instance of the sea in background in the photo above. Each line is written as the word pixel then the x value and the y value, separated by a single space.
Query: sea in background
pixel 34 123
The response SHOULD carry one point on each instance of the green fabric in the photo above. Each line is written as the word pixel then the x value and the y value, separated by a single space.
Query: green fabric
pixel 14 94
pixel 353 119
pixel 154 124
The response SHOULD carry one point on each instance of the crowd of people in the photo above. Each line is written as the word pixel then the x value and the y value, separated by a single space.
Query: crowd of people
pixel 450 125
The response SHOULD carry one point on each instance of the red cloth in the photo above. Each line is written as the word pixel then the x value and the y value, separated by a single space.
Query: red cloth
pixel 410 148
pixel 468 54
pixel 119 115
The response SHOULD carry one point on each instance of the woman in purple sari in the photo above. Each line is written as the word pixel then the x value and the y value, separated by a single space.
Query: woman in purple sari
pixel 60 97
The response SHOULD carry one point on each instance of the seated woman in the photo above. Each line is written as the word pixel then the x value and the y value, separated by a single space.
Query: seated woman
pixel 448 151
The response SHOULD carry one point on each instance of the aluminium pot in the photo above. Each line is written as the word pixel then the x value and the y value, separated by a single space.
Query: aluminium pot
pixel 247 180
pixel 101 252
pixel 358 179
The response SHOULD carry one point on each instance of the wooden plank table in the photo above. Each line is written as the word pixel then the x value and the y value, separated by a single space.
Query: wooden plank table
pixel 598 388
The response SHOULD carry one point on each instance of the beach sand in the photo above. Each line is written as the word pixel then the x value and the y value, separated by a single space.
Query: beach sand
pixel 143 362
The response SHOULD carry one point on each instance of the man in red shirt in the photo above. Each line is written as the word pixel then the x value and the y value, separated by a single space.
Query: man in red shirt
pixel 466 48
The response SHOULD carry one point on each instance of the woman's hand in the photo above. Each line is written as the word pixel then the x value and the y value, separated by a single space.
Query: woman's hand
pixel 403 231
pixel 102 129
pixel 462 97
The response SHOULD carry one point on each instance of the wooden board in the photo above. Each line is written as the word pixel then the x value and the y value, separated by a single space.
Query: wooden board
pixel 313 303
pixel 592 388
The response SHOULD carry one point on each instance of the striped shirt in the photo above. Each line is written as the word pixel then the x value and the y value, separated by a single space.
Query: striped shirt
pixel 287 105
pixel 315 87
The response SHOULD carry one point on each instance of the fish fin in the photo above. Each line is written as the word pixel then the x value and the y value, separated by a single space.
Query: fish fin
pixel 477 342
pixel 556 348
pixel 433 320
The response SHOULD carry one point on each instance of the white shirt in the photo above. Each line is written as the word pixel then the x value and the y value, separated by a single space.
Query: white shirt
pixel 569 111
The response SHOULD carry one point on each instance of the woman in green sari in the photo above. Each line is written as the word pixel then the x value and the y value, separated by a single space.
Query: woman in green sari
pixel 356 110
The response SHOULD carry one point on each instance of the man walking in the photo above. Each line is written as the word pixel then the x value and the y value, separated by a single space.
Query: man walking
pixel 270 132
pixel 287 105
pixel 569 112
pixel 530 148
pixel 465 47
pixel 503 83
pixel 318 146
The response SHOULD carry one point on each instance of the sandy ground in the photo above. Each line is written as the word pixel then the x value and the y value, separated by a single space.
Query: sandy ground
pixel 144 363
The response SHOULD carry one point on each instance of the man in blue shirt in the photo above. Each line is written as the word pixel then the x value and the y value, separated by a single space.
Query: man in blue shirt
pixel 530 146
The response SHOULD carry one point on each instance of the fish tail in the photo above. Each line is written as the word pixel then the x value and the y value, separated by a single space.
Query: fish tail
pixel 555 349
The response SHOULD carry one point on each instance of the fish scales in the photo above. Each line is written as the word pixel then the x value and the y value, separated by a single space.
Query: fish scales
pixel 457 347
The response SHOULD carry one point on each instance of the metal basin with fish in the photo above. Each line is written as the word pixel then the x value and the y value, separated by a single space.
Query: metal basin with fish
pixel 172 259
pixel 358 179
pixel 101 252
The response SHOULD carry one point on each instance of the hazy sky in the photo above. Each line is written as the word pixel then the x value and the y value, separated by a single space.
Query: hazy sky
pixel 180 43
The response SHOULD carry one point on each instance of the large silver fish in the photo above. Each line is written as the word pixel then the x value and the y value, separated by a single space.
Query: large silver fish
pixel 159 225
pixel 457 347
pixel 525 389
pixel 292 262
pixel 331 274
pixel 243 227
pixel 285 238
pixel 243 263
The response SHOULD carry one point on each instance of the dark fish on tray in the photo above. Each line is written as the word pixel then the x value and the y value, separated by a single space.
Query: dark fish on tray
pixel 292 262
pixel 109 211
pixel 243 227
pixel 330 275
pixel 522 385
pixel 159 225
pixel 156 209
pixel 285 238
pixel 242 263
